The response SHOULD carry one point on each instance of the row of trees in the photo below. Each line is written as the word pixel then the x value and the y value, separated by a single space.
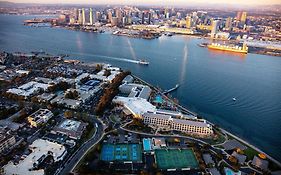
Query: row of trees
pixel 72 95
pixel 60 86
pixel 110 92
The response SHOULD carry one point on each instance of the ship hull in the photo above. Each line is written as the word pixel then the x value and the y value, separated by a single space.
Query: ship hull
pixel 227 49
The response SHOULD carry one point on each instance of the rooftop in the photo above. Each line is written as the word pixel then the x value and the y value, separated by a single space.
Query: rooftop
pixel 137 106
pixel 39 148
pixel 190 122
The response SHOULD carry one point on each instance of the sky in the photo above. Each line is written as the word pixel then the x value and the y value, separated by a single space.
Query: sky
pixel 154 2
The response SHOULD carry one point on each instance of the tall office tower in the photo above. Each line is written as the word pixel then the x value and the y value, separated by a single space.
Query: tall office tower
pixel 114 21
pixel 76 14
pixel 124 20
pixel 91 17
pixel 80 17
pixel 98 16
pixel 142 17
pixel 238 16
pixel 129 20
pixel 228 23
pixel 83 16
pixel 243 18
pixel 149 18
pixel 118 15
pixel 109 16
pixel 215 26
pixel 188 22
pixel 166 13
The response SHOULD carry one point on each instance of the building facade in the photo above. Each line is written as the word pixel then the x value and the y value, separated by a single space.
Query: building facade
pixel 198 127
pixel 6 140
pixel 39 117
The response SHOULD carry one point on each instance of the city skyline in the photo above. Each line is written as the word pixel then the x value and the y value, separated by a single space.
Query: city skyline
pixel 156 2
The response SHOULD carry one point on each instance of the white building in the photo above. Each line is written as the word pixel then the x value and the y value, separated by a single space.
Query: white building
pixel 137 106
pixel 40 150
pixel 157 120
pixel 29 89
pixel 39 117
pixel 199 127
pixel 193 127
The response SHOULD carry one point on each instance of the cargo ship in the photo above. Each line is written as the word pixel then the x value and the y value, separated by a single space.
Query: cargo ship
pixel 230 48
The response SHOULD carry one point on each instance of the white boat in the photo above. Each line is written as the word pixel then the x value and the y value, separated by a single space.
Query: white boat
pixel 234 99
pixel 143 62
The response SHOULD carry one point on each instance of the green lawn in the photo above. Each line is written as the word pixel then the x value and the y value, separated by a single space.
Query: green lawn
pixel 250 153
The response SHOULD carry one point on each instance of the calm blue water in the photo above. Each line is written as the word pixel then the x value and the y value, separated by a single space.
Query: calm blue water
pixel 208 79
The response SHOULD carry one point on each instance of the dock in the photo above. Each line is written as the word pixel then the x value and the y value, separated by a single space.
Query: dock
pixel 172 89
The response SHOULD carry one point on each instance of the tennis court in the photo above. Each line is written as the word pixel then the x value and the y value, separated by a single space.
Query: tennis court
pixel 175 159
pixel 121 152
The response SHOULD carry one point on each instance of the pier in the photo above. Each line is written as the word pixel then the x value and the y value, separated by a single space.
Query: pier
pixel 172 89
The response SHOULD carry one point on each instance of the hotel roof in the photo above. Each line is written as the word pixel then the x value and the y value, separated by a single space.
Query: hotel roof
pixel 135 105
pixel 160 116
pixel 190 122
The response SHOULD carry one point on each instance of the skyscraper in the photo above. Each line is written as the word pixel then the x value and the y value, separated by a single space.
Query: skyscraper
pixel 142 17
pixel 83 16
pixel 188 22
pixel 76 14
pixel 91 17
pixel 149 18
pixel 80 17
pixel 228 23
pixel 118 13
pixel 238 16
pixel 109 15
pixel 215 26
pixel 243 18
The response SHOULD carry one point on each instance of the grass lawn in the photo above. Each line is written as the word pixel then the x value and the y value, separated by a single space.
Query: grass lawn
pixel 250 153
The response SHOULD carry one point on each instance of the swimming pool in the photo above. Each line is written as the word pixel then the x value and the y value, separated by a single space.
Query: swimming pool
pixel 158 99
pixel 231 172
pixel 146 144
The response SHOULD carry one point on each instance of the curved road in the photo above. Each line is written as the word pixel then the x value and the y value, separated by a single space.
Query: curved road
pixel 72 162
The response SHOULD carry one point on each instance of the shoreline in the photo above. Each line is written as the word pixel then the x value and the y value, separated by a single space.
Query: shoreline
pixel 220 128
pixel 109 30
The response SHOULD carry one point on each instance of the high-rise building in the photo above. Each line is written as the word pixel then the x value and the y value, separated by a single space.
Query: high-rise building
pixel 243 18
pixel 80 17
pixel 228 23
pixel 114 21
pixel 109 16
pixel 142 18
pixel 149 18
pixel 166 13
pixel 76 14
pixel 91 17
pixel 118 13
pixel 83 16
pixel 188 22
pixel 98 16
pixel 238 16
pixel 215 26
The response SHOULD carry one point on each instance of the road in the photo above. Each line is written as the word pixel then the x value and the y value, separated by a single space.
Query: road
pixel 72 162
